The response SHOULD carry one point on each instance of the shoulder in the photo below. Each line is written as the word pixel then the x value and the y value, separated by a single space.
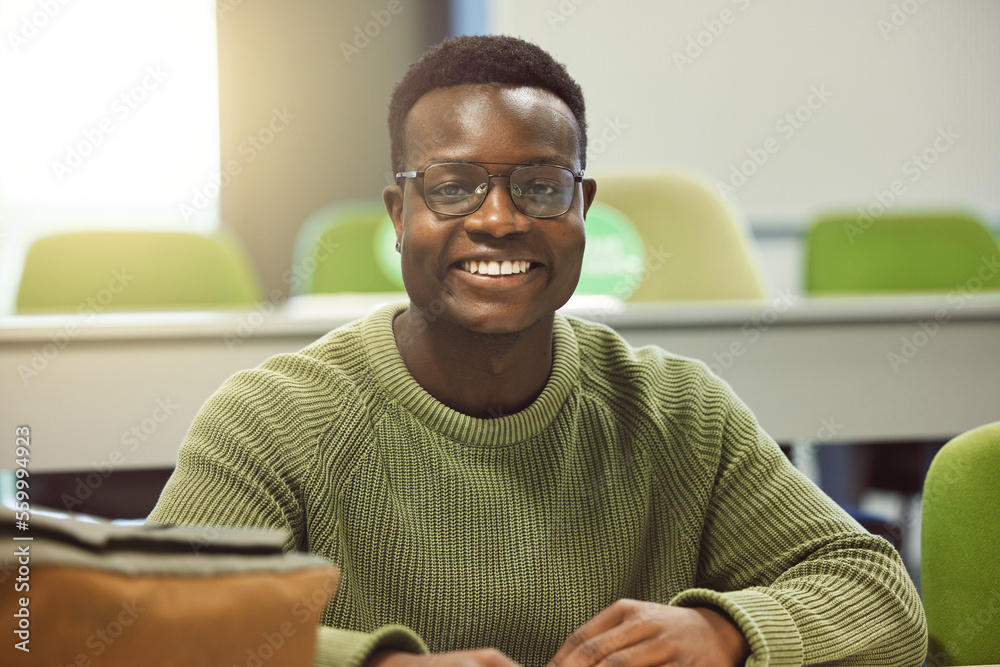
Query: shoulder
pixel 311 374
pixel 339 361
pixel 680 412
pixel 299 397
pixel 679 398
pixel 608 363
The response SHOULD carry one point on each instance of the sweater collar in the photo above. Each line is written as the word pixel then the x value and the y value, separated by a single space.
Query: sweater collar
pixel 391 373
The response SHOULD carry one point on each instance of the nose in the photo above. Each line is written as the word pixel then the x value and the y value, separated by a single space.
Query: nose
pixel 497 215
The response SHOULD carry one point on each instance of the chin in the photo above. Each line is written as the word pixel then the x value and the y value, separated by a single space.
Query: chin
pixel 499 321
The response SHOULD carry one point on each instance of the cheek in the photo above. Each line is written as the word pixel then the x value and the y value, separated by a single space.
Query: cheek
pixel 575 242
pixel 574 246
pixel 413 237
pixel 420 255
pixel 420 284
pixel 415 260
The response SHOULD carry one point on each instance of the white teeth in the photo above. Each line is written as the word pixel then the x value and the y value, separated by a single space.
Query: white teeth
pixel 494 268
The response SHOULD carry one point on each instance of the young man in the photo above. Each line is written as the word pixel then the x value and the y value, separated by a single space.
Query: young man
pixel 503 485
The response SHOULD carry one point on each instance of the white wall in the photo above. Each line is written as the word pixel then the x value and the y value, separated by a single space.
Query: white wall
pixel 332 66
pixel 891 87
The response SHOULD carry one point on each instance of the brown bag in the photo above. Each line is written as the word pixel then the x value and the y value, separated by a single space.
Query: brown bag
pixel 92 594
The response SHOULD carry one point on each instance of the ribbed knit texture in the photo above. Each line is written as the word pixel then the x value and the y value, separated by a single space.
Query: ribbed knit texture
pixel 635 474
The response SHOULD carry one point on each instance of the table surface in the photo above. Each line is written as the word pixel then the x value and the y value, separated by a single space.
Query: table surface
pixel 115 391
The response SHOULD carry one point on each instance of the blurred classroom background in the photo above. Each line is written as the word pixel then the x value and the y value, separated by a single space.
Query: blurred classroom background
pixel 252 117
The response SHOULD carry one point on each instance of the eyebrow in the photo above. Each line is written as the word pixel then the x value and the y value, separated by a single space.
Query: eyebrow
pixel 538 159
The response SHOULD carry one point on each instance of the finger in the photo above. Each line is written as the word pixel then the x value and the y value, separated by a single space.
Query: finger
pixel 651 651
pixel 606 619
pixel 491 657
pixel 479 657
pixel 598 648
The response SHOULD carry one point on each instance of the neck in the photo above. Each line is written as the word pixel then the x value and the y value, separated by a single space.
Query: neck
pixel 481 375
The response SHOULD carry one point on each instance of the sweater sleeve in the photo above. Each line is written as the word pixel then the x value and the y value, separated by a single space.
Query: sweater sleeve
pixel 247 461
pixel 803 581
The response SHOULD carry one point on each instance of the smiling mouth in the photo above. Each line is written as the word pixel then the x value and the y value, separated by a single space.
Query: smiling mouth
pixel 495 268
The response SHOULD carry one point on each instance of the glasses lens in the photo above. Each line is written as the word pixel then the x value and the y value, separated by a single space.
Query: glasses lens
pixel 542 192
pixel 455 188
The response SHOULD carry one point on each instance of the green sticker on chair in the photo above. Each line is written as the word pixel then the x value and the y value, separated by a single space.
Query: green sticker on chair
pixel 615 255
pixel 385 252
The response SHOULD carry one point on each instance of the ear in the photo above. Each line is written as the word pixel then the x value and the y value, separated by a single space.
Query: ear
pixel 589 191
pixel 392 196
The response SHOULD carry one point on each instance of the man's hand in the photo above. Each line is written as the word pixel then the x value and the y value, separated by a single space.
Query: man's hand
pixel 482 657
pixel 631 633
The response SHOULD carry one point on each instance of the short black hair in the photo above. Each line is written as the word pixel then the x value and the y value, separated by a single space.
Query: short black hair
pixel 482 59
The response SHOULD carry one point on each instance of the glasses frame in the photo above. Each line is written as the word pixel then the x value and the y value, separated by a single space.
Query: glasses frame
pixel 577 178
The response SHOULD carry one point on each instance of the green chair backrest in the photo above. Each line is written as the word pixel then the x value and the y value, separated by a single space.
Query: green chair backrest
pixel 697 246
pixel 125 270
pixel 900 252
pixel 615 256
pixel 960 550
pixel 346 247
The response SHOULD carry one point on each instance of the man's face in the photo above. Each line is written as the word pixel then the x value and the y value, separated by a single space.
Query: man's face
pixel 496 127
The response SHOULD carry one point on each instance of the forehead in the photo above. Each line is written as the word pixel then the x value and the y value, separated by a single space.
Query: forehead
pixel 491 123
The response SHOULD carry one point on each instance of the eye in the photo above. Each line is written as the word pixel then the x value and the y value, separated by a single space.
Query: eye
pixel 451 190
pixel 540 188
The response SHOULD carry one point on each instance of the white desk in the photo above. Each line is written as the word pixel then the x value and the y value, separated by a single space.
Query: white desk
pixel 124 388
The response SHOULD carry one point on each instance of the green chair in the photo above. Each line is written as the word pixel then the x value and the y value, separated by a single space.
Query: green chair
pixel 898 252
pixel 347 247
pixel 125 270
pixel 960 544
pixel 614 258
pixel 697 246
pixel 895 253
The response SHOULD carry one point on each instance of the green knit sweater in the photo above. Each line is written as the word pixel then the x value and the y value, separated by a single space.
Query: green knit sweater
pixel 635 474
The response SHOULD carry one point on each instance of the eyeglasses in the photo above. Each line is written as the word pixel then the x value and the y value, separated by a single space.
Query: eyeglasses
pixel 460 188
